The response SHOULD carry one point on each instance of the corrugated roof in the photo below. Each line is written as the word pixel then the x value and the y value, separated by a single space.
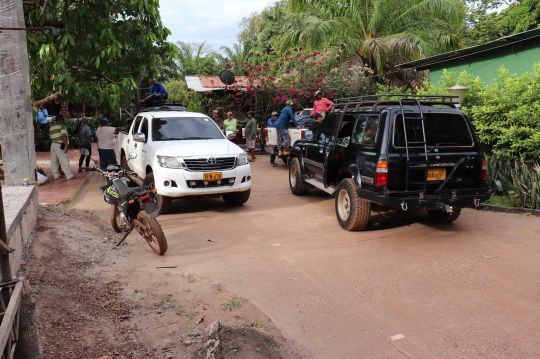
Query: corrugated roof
pixel 213 83
pixel 473 50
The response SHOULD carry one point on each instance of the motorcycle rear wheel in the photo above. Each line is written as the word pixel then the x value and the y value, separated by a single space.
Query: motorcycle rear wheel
pixel 152 233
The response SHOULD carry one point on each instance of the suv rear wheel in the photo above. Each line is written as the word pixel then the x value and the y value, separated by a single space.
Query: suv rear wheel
pixel 163 202
pixel 297 184
pixel 440 216
pixel 352 211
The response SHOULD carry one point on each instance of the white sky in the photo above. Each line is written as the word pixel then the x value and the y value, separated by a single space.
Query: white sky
pixel 217 22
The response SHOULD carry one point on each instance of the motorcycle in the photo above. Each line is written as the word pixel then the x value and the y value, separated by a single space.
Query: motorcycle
pixel 134 207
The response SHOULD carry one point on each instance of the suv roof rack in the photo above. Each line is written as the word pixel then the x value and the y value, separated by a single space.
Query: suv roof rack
pixel 394 99
pixel 164 106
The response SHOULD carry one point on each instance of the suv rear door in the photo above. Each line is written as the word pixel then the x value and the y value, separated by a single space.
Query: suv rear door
pixel 452 152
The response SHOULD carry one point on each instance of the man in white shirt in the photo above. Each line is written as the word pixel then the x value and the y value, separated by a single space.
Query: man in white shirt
pixel 106 144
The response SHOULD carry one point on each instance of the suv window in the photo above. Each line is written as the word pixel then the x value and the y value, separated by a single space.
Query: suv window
pixel 365 132
pixel 326 130
pixel 442 129
pixel 136 124
pixel 144 129
pixel 347 126
pixel 185 128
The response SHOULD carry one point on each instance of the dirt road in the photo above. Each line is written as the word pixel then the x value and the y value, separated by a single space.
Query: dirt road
pixel 404 288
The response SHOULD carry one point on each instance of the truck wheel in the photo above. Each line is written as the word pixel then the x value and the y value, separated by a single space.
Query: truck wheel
pixel 297 184
pixel 236 199
pixel 163 202
pixel 440 216
pixel 352 211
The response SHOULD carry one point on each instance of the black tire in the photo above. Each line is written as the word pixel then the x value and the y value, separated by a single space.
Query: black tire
pixel 153 234
pixel 123 161
pixel 115 220
pixel 440 216
pixel 236 199
pixel 163 203
pixel 352 211
pixel 296 182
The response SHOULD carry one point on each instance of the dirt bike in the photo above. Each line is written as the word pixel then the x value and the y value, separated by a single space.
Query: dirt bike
pixel 134 207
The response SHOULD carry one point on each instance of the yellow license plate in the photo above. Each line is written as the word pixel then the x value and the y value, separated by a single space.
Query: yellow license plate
pixel 212 176
pixel 436 174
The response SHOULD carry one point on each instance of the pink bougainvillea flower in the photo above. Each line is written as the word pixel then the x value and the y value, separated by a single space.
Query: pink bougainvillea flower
pixel 258 68
pixel 315 53
pixel 295 101
pixel 284 98
pixel 249 65
pixel 292 91
pixel 246 73
pixel 288 70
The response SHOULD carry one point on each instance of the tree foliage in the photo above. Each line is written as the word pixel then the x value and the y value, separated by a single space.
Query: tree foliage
pixel 104 49
pixel 198 59
pixel 378 32
pixel 488 20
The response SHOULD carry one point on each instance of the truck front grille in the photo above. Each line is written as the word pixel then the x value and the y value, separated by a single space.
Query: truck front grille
pixel 206 184
pixel 210 164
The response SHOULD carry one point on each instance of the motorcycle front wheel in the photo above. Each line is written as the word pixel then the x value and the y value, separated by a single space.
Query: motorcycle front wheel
pixel 152 233
pixel 118 220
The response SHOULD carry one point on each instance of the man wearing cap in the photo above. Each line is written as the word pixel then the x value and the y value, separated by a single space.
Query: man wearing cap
pixel 217 119
pixel 272 123
pixel 230 124
pixel 321 104
pixel 251 134
pixel 106 143
pixel 282 124
pixel 59 149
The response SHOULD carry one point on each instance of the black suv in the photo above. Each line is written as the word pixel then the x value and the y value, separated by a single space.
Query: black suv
pixel 397 152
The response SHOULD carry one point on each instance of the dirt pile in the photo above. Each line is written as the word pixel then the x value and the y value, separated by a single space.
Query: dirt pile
pixel 85 311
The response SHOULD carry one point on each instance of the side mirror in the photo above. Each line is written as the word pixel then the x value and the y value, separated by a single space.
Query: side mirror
pixel 139 137
pixel 230 135
pixel 132 155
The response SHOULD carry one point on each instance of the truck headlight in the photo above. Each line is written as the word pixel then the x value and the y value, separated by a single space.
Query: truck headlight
pixel 170 162
pixel 242 159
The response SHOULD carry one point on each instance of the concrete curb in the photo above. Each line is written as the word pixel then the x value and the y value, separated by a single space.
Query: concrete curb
pixel 494 208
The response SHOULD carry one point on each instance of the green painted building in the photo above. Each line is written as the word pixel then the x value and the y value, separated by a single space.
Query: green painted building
pixel 517 53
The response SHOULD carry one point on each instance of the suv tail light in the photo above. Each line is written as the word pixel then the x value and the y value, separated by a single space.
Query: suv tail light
pixel 484 171
pixel 302 134
pixel 381 173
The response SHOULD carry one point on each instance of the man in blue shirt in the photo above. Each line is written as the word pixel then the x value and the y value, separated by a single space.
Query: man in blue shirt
pixel 282 124
pixel 157 93
pixel 42 119
pixel 272 123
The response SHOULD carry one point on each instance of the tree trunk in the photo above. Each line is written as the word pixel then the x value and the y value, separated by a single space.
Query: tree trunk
pixel 16 123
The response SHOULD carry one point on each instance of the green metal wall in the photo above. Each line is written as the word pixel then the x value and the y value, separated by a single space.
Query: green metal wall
pixel 517 58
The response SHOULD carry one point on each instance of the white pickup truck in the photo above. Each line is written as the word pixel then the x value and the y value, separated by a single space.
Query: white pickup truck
pixel 185 154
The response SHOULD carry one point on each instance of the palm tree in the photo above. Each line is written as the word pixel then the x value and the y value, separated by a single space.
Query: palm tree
pixel 237 55
pixel 379 33
pixel 198 59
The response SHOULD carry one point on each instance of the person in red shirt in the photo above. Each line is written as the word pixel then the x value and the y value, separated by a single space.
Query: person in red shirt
pixel 321 104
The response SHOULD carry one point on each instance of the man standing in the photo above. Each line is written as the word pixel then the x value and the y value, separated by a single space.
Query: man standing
pixel 272 123
pixel 321 104
pixel 106 143
pixel 85 142
pixel 59 149
pixel 251 134
pixel 217 119
pixel 230 124
pixel 286 118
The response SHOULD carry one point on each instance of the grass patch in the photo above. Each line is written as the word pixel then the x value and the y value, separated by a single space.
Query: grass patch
pixel 504 201
pixel 233 303
pixel 191 315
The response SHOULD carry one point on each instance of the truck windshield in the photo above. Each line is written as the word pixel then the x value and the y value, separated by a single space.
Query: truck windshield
pixel 442 130
pixel 185 128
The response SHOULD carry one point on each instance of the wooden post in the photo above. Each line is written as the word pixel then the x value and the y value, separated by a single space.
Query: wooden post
pixel 5 267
